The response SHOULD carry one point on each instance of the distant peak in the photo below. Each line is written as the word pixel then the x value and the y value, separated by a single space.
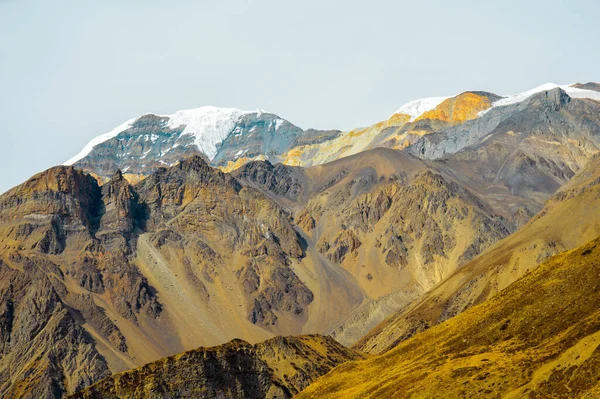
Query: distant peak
pixel 587 86
pixel 569 89
pixel 209 125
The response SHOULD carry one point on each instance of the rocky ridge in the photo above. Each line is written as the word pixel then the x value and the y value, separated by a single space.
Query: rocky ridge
pixel 90 271
pixel 278 368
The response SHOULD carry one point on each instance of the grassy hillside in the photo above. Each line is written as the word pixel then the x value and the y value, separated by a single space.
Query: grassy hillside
pixel 538 338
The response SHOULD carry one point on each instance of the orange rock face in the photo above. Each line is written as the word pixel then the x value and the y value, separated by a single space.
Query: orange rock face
pixel 459 109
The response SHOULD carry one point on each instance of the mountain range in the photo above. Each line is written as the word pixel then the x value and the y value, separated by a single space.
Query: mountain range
pixel 406 244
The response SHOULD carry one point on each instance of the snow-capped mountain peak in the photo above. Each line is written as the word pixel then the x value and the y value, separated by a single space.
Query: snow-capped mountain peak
pixel 208 125
pixel 153 140
pixel 569 89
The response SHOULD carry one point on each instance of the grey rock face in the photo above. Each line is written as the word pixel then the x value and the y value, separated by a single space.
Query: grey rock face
pixel 151 143
pixel 257 134
pixel 281 180
pixel 524 151
pixel 147 145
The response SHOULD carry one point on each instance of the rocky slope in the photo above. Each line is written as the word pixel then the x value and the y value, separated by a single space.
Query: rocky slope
pixel 222 136
pixel 516 156
pixel 99 279
pixel 277 368
pixel 397 224
pixel 504 148
pixel 45 350
pixel 569 219
pixel 538 338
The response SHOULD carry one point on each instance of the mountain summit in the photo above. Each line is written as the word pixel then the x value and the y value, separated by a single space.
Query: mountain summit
pixel 229 137
pixel 143 144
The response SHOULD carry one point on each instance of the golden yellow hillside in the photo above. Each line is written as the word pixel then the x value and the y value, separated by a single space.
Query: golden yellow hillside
pixel 538 338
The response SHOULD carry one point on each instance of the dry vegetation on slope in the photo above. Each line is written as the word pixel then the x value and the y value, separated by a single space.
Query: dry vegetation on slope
pixel 538 338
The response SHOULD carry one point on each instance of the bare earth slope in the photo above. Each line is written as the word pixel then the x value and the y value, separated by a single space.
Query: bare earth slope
pixel 538 338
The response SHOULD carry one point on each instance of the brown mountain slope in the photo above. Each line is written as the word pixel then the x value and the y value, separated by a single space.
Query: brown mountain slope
pixel 538 338
pixel 277 368
pixel 569 220
pixel 98 279
pixel 394 222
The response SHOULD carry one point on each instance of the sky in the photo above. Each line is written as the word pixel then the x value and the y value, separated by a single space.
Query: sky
pixel 71 70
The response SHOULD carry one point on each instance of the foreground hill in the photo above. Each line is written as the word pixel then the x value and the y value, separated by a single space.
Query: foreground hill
pixel 538 338
pixel 569 220
pixel 278 368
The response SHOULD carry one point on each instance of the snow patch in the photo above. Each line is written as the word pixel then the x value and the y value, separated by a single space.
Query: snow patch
pixel 209 125
pixel 517 98
pixel 278 123
pixel 416 108
pixel 99 140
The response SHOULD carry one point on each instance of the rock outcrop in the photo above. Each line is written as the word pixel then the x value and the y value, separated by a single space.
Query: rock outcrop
pixel 397 224
pixel 517 156
pixel 278 368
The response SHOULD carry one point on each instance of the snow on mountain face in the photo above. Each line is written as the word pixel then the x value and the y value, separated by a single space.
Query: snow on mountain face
pixel 99 140
pixel 571 91
pixel 208 125
pixel 416 108
pixel 222 135
pixel 227 137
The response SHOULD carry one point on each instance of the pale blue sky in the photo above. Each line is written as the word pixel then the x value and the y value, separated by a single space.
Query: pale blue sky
pixel 70 70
